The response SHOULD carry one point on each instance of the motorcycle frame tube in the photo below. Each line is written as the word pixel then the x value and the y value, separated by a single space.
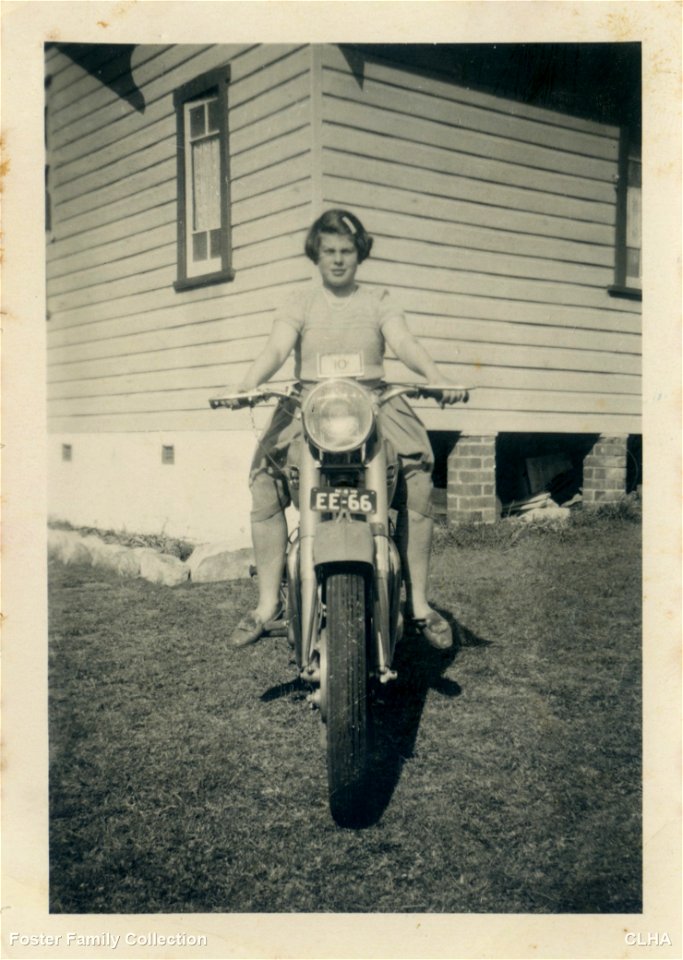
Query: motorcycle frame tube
pixel 309 477
pixel 294 592
pixel 376 479
pixel 395 595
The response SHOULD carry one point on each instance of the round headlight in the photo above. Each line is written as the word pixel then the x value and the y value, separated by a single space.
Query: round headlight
pixel 338 415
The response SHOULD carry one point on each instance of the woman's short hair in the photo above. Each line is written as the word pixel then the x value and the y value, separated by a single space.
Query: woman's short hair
pixel 338 221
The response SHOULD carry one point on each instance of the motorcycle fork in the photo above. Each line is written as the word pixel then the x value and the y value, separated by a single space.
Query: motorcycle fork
pixel 385 585
pixel 386 573
pixel 309 477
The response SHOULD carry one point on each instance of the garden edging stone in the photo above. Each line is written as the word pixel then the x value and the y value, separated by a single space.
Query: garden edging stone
pixel 211 562
pixel 208 563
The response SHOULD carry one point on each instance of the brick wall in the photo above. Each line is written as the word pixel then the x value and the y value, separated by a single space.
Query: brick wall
pixel 604 471
pixel 471 495
pixel 471 489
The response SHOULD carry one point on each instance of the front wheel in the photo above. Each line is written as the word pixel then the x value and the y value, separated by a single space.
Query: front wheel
pixel 348 711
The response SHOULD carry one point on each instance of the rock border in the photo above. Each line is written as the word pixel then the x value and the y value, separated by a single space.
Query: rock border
pixel 208 563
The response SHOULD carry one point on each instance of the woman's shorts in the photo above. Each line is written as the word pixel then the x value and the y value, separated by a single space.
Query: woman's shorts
pixel 398 424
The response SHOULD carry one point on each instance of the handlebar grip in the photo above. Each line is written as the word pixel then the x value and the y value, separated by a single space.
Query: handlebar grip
pixel 238 401
pixel 235 403
pixel 437 392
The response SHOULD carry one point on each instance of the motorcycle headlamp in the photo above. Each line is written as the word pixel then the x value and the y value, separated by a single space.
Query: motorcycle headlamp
pixel 338 415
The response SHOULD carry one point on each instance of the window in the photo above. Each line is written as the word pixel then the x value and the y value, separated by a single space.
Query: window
pixel 204 253
pixel 628 277
pixel 48 199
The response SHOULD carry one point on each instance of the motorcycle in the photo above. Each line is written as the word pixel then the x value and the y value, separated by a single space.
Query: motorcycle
pixel 342 585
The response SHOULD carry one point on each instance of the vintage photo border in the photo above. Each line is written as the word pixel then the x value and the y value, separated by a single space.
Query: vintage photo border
pixel 26 26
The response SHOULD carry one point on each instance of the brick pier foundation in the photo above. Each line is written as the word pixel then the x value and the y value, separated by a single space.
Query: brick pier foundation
pixel 604 471
pixel 471 496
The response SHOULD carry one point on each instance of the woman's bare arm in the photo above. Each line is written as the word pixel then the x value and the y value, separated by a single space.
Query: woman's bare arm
pixel 278 347
pixel 410 351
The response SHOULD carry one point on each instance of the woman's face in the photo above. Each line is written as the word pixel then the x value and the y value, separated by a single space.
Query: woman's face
pixel 337 261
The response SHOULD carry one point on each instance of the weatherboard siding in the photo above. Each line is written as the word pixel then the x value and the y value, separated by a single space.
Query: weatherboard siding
pixel 126 352
pixel 494 225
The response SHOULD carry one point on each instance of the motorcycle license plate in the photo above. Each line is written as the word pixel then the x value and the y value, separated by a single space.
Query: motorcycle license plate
pixel 336 499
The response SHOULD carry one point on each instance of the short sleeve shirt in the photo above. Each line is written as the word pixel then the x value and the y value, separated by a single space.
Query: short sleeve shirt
pixel 342 337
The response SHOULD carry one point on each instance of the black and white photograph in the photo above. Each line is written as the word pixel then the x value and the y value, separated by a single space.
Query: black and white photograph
pixel 349 471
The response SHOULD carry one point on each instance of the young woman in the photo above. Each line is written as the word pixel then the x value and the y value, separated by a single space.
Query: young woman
pixel 340 316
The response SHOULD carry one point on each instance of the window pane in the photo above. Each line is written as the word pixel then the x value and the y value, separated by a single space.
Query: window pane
pixel 632 263
pixel 214 115
pixel 199 251
pixel 197 121
pixel 206 185
pixel 215 243
pixel 633 216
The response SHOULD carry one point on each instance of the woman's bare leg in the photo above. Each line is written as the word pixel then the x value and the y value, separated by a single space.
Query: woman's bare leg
pixel 414 540
pixel 270 545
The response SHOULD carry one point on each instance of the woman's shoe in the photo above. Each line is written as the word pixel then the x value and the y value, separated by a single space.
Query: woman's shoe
pixel 435 629
pixel 250 629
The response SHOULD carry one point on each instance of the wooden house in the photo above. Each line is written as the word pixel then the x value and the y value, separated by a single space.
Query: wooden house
pixel 180 181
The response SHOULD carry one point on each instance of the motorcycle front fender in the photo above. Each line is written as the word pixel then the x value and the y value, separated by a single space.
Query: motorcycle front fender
pixel 346 541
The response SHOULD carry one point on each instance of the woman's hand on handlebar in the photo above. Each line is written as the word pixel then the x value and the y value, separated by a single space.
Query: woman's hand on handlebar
pixel 453 395
pixel 444 393
pixel 236 396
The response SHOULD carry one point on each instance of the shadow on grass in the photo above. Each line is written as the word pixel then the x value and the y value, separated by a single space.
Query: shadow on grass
pixel 397 709
pixel 295 689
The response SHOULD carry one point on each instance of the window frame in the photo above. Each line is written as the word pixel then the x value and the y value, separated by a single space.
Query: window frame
pixel 217 81
pixel 48 159
pixel 623 285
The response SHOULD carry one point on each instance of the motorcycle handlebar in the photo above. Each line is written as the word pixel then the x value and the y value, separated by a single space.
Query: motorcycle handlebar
pixel 241 399
pixel 435 391
pixel 248 398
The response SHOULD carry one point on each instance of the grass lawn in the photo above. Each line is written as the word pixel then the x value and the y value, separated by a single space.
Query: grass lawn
pixel 185 776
